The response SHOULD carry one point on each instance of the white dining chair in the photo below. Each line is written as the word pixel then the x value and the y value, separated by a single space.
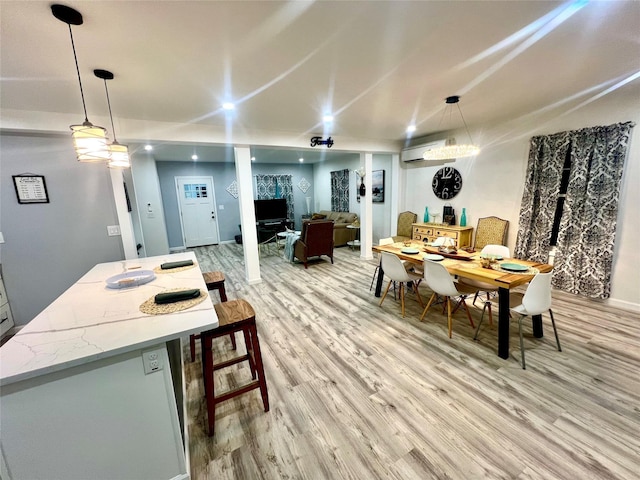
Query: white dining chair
pixel 394 269
pixel 536 301
pixel 440 281
pixel 483 287
pixel 382 241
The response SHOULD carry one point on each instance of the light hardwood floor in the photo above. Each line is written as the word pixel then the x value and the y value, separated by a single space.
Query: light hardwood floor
pixel 358 392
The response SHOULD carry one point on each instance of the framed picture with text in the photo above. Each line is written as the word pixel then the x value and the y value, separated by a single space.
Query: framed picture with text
pixel 30 188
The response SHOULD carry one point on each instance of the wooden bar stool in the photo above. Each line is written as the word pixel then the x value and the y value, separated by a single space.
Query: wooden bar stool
pixel 214 281
pixel 233 316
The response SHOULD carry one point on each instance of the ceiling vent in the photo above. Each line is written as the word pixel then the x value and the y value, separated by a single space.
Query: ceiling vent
pixel 415 153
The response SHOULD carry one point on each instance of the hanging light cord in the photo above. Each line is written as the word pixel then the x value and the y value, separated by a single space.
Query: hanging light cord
pixel 110 116
pixel 463 121
pixel 449 110
pixel 73 46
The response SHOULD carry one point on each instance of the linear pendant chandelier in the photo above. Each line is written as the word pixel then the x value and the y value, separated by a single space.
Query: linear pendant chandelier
pixel 118 154
pixel 89 140
pixel 451 150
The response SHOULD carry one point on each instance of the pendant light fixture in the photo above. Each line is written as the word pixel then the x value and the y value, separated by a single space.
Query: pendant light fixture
pixel 451 150
pixel 89 141
pixel 118 154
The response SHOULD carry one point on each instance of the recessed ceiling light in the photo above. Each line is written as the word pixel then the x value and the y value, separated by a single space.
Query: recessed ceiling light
pixel 301 159
pixel 228 106
pixel 327 118
pixel 148 148
pixel 194 157
pixel 411 128
pixel 253 159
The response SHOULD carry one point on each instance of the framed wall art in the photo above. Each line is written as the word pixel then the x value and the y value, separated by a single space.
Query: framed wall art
pixel 30 188
pixel 377 186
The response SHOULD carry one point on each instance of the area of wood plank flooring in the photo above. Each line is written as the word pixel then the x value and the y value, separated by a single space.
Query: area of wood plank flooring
pixel 358 392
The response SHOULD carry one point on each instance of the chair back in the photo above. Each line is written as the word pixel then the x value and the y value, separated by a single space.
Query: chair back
pixel 439 279
pixel 499 250
pixel 490 231
pixel 393 267
pixel 405 220
pixel 317 235
pixel 537 298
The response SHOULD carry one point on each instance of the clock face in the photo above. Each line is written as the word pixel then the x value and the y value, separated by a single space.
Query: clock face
pixel 447 182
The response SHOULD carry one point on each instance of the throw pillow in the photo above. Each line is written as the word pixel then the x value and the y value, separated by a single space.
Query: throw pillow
pixel 318 216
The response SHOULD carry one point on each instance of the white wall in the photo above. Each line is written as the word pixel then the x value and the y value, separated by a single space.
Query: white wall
pixel 494 181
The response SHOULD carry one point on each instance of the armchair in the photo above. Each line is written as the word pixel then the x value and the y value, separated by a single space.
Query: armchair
pixel 316 239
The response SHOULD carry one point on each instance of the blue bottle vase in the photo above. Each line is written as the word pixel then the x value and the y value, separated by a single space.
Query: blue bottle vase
pixel 426 215
pixel 463 218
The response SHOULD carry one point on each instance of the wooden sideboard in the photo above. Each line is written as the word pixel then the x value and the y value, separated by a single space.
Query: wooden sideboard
pixel 463 236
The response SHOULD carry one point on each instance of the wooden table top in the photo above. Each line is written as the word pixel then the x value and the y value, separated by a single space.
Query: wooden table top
pixel 467 265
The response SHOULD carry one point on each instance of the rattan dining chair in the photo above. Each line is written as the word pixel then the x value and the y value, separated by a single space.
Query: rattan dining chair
pixel 405 227
pixel 536 301
pixel 490 231
pixel 395 270
pixel 440 281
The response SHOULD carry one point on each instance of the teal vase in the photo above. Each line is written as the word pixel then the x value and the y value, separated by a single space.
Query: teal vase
pixel 463 218
pixel 426 215
pixel 277 195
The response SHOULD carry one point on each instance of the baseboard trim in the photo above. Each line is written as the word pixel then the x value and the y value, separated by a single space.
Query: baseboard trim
pixel 624 305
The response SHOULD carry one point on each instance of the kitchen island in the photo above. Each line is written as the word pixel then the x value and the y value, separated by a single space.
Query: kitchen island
pixel 92 387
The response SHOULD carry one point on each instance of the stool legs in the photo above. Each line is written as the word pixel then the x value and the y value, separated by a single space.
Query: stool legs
pixel 253 356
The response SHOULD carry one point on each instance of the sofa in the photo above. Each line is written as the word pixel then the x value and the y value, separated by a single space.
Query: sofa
pixel 341 234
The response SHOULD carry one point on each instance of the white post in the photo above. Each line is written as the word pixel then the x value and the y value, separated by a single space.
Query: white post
pixel 247 214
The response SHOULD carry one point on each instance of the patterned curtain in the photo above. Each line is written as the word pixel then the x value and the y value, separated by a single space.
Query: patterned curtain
pixel 542 184
pixel 275 186
pixel 586 236
pixel 340 191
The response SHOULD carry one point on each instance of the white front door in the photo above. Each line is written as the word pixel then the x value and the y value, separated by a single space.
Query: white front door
pixel 196 201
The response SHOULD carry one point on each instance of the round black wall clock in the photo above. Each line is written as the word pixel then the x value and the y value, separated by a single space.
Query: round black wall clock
pixel 447 182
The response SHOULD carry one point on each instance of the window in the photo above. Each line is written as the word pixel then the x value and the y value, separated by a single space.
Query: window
pixel 195 190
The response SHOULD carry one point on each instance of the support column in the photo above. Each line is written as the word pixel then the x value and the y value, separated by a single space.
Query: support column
pixel 124 217
pixel 366 209
pixel 244 179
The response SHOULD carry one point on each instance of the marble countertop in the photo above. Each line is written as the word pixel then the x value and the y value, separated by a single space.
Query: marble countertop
pixel 90 321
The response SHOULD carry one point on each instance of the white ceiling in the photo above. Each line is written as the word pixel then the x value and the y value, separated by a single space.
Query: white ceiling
pixel 376 65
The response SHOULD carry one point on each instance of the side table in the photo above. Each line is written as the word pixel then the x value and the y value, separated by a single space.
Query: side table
pixel 355 242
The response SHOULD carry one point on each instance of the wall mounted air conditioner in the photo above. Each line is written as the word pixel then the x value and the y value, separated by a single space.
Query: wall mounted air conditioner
pixel 414 154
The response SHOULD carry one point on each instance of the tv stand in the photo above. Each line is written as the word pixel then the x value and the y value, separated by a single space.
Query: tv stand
pixel 269 229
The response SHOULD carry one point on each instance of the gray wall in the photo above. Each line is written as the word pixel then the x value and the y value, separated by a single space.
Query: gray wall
pixel 223 175
pixel 49 246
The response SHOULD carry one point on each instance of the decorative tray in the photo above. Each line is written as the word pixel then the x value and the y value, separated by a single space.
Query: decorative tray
pixel 130 279
pixel 456 256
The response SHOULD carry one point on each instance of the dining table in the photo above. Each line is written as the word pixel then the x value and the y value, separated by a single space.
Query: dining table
pixel 467 264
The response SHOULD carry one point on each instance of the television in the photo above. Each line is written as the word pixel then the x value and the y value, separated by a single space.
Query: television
pixel 274 209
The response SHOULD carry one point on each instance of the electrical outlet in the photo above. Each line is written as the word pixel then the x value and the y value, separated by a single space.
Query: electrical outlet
pixel 113 230
pixel 151 360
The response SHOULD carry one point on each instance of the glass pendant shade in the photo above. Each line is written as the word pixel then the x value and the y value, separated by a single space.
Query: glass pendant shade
pixel 90 142
pixel 451 151
pixel 119 156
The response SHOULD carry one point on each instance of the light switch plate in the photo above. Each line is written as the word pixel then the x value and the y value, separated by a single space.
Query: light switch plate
pixel 113 230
